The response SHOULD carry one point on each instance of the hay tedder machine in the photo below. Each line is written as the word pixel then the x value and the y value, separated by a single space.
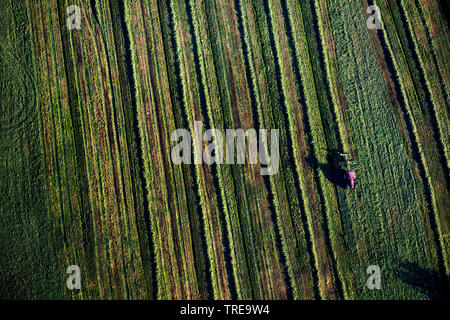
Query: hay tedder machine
pixel 348 166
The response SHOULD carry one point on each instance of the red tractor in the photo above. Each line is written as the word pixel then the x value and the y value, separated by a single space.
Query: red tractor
pixel 348 166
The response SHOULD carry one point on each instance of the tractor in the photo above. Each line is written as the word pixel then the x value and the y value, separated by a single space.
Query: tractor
pixel 348 165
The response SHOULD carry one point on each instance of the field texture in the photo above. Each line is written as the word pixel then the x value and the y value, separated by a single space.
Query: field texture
pixel 87 178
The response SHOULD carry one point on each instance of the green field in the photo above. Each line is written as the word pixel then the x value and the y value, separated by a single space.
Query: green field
pixel 87 177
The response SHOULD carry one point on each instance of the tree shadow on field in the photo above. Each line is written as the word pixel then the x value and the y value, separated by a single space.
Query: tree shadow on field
pixel 331 170
pixel 429 282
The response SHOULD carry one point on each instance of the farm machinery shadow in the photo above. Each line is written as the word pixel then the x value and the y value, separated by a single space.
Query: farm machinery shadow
pixel 331 170
pixel 431 283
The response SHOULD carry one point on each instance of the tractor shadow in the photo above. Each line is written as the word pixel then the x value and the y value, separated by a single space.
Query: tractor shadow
pixel 428 282
pixel 331 170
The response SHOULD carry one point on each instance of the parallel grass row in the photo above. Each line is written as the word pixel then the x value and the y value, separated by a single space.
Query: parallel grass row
pixel 93 209
pixel 227 105
pixel 108 136
pixel 269 104
pixel 438 33
pixel 434 76
pixel 301 102
pixel 259 229
pixel 63 187
pixel 212 70
pixel 195 215
pixel 209 195
pixel 322 132
pixel 341 138
pixel 176 274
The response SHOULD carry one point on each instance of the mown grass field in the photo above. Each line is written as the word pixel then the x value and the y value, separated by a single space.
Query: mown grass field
pixel 85 149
